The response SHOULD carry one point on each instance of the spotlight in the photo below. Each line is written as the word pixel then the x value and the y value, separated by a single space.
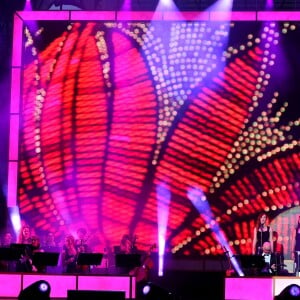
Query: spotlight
pixel 146 289
pixel 291 292
pixel 154 292
pixel 40 290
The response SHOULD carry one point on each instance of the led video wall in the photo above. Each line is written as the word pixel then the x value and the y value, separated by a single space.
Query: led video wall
pixel 180 130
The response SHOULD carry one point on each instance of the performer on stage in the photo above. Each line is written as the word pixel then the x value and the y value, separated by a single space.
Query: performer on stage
pixel 127 245
pixel 271 264
pixel 25 235
pixel 49 241
pixel 69 255
pixel 296 245
pixel 36 247
pixel 262 233
pixel 7 239
pixel 81 243
pixel 25 263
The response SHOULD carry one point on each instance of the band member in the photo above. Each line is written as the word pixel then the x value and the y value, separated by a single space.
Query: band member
pixel 25 264
pixel 35 248
pixel 127 245
pixel 262 233
pixel 25 235
pixel 49 241
pixel 69 255
pixel 82 246
pixel 7 239
pixel 81 243
pixel 5 243
pixel 296 245
pixel 271 264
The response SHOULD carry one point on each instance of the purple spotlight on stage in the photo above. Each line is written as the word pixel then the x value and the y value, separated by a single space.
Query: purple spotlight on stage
pixel 163 200
pixel 166 2
pixel 269 4
pixel 295 291
pixel 222 5
pixel 126 5
pixel 146 289
pixel 199 200
pixel 15 218
pixel 43 287
pixel 154 292
pixel 167 5
pixel 28 6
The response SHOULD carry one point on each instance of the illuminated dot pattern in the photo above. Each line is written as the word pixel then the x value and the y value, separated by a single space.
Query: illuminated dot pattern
pixel 111 110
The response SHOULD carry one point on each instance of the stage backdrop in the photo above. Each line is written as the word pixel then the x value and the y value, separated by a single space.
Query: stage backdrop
pixel 175 129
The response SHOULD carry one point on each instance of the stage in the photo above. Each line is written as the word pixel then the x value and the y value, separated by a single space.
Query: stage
pixel 235 288
pixel 12 283
pixel 184 285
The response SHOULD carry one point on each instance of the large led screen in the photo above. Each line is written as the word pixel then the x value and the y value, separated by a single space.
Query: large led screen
pixel 175 130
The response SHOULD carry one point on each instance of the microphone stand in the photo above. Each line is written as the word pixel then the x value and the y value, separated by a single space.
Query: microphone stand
pixel 261 233
pixel 229 270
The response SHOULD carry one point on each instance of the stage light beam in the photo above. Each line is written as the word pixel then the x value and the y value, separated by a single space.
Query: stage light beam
pixel 199 200
pixel 167 5
pixel 163 200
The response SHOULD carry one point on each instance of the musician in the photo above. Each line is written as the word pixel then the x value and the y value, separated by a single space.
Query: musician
pixel 296 245
pixel 35 248
pixel 69 255
pixel 49 242
pixel 25 235
pixel 7 239
pixel 5 243
pixel 127 244
pixel 25 263
pixel 274 262
pixel 262 233
pixel 81 243
pixel 270 258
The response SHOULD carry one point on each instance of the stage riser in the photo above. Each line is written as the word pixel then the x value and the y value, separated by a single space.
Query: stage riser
pixel 12 284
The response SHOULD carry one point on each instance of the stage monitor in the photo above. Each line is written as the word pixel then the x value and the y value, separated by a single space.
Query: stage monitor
pixel 89 259
pixel 128 260
pixel 45 259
